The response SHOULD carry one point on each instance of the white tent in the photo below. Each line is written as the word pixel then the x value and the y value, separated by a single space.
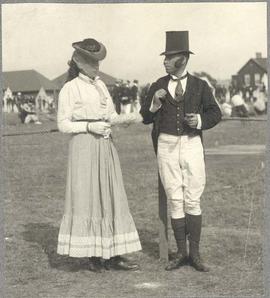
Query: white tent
pixel 41 100
pixel 8 93
pixel 7 106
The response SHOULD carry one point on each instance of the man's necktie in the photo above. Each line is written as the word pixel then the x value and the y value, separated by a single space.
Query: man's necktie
pixel 179 89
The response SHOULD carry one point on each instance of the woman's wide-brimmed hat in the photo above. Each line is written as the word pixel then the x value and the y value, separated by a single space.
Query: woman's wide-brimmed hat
pixel 91 48
pixel 177 42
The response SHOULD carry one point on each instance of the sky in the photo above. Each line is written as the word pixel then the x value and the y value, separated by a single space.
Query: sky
pixel 223 36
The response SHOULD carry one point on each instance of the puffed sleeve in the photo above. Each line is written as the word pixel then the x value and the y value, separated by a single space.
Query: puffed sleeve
pixel 64 114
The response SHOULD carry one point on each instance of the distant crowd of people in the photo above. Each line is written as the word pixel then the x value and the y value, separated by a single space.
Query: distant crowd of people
pixel 126 96
pixel 235 102
pixel 24 105
pixel 28 106
pixel 27 109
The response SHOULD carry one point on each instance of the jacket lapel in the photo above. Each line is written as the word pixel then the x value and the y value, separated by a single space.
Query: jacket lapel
pixel 165 83
pixel 189 84
pixel 189 97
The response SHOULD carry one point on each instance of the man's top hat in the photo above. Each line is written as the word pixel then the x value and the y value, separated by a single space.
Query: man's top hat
pixel 176 42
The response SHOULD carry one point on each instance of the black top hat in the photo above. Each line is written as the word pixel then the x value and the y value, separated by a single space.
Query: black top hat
pixel 176 42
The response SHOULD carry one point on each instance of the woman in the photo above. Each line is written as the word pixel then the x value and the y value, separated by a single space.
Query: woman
pixel 97 222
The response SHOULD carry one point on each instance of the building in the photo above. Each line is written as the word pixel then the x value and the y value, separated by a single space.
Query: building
pixel 107 79
pixel 28 83
pixel 251 74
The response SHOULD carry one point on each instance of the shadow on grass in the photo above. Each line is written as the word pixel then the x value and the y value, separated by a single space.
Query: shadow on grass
pixel 45 235
pixel 150 247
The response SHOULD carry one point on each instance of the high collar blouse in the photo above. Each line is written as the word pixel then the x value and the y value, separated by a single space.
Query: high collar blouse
pixel 83 98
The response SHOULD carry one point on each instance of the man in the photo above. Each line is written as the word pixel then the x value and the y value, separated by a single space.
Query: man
pixel 125 98
pixel 259 100
pixel 28 113
pixel 134 94
pixel 116 96
pixel 180 106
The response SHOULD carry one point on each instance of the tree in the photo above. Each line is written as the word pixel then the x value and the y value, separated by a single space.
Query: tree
pixel 208 76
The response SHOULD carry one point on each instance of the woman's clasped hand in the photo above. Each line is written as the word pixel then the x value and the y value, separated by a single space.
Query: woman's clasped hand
pixel 100 128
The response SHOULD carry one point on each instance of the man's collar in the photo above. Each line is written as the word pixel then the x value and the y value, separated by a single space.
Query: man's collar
pixel 184 74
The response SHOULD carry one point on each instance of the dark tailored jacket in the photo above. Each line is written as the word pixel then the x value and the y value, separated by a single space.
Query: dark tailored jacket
pixel 198 99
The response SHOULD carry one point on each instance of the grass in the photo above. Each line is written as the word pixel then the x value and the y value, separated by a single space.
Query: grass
pixel 35 169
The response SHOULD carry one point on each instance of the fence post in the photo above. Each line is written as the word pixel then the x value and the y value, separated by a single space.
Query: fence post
pixel 163 222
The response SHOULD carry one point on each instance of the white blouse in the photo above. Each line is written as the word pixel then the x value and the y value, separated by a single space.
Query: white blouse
pixel 84 98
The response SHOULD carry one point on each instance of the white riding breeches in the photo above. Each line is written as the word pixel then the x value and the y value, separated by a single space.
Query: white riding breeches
pixel 182 172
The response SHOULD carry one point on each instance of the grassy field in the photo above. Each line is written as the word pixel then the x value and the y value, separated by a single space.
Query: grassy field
pixel 35 169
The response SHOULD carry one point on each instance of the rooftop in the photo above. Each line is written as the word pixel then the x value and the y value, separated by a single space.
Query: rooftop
pixel 26 81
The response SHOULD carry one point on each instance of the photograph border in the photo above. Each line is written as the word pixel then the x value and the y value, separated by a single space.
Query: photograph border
pixel 266 235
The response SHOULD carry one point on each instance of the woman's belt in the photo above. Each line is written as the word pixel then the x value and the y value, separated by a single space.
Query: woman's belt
pixel 91 120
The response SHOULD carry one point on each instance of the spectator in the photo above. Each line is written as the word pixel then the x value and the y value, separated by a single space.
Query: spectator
pixel 28 114
pixel 39 103
pixel 43 103
pixel 116 96
pixel 9 104
pixel 125 99
pixel 259 100
pixel 226 108
pixel 134 93
pixel 248 91
pixel 50 104
pixel 19 100
pixel 239 109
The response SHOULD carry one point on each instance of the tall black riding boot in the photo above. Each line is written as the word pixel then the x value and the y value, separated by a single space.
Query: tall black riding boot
pixel 194 226
pixel 179 230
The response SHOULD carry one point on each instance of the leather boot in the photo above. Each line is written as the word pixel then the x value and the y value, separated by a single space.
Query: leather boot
pixel 120 263
pixel 95 265
pixel 194 226
pixel 179 230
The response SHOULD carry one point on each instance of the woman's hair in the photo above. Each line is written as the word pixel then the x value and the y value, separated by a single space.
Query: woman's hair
pixel 73 71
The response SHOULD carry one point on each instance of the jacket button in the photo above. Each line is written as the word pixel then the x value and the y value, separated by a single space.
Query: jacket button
pixel 177 115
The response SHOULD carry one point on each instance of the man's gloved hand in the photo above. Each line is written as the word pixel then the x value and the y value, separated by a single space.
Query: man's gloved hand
pixel 100 128
pixel 159 97
pixel 191 120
